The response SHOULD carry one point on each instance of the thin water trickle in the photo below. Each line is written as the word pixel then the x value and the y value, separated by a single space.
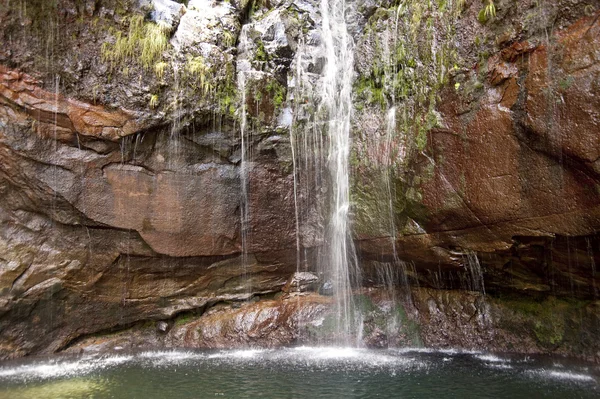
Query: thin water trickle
pixel 244 198
pixel 296 208
pixel 388 164
pixel 475 273
pixel 590 253
pixel 174 144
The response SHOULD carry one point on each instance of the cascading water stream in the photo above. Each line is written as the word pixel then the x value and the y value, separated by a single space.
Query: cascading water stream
pixel 336 102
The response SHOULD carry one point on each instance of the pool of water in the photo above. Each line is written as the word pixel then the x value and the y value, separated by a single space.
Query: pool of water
pixel 299 373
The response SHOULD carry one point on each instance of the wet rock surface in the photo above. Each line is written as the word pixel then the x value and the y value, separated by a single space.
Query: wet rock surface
pixel 509 172
pixel 438 319
pixel 301 282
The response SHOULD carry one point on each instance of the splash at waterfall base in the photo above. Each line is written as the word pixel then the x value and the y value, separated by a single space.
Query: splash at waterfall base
pixel 117 232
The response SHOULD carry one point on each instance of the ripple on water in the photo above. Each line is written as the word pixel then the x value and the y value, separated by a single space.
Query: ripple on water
pixel 305 358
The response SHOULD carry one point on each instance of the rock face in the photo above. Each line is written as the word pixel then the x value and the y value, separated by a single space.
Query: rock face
pixel 442 319
pixel 536 173
pixel 510 171
pixel 121 181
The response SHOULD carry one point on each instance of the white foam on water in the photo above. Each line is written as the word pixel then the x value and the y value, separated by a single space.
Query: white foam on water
pixel 237 354
pixel 500 366
pixel 117 359
pixel 492 359
pixel 563 375
pixel 567 375
pixel 62 368
pixel 169 358
pixel 351 356
pixel 448 351
pixel 419 350
pixel 175 355
pixel 336 353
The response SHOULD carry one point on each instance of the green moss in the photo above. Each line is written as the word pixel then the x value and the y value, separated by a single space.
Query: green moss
pixel 407 71
pixel 372 190
pixel 199 74
pixel 408 327
pixel 184 318
pixel 567 82
pixel 364 304
pixel 257 95
pixel 548 319
pixel 371 213
pixel 228 38
pixel 226 92
pixel 277 93
pixel 412 72
pixel 370 89
pixel 261 54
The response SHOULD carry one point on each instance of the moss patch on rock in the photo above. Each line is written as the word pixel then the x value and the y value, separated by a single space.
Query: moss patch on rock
pixel 552 322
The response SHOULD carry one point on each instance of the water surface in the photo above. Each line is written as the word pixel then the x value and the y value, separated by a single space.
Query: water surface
pixel 298 373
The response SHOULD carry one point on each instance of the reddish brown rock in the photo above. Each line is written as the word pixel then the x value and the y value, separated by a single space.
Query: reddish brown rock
pixel 522 163
pixel 516 50
pixel 262 324
pixel 23 92
pixel 500 70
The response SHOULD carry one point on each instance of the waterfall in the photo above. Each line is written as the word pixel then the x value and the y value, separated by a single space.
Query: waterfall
pixel 336 102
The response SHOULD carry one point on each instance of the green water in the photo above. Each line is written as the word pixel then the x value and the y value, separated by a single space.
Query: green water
pixel 299 373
